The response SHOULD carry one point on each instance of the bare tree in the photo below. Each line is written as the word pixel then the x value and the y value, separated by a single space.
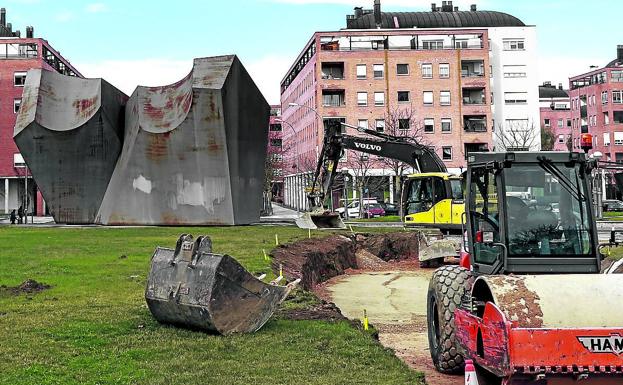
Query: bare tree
pixel 402 123
pixel 361 164
pixel 520 136
pixel 547 139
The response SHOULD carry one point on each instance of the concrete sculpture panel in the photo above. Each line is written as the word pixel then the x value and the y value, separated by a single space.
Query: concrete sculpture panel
pixel 70 132
pixel 191 153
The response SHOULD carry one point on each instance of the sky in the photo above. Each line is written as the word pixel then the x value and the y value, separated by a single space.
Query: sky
pixel 151 43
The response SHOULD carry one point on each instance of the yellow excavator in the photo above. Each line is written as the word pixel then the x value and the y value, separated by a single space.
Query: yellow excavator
pixel 430 198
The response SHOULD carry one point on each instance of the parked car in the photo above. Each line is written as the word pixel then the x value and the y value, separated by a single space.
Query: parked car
pixel 390 208
pixel 612 205
pixel 373 210
pixel 353 207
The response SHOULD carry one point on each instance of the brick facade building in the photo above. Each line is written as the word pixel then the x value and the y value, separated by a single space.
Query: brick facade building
pixel 18 55
pixel 555 107
pixel 422 74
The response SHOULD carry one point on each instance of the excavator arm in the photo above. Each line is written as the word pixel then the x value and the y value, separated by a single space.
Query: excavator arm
pixel 422 158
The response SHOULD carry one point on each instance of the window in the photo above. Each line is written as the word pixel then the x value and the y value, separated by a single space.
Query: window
pixel 402 69
pixel 561 138
pixel 429 125
pixel 604 97
pixel 403 96
pixel 514 71
pixel 444 70
pixel 275 142
pixel 517 124
pixel 18 161
pixel 547 123
pixel 332 70
pixel 404 124
pixel 333 98
pixel 606 139
pixel 432 44
pixel 514 45
pixel 617 117
pixel 427 71
pixel 379 71
pixel 428 98
pixel 17 104
pixel 379 98
pixel 460 44
pixel 446 125
pixel 568 122
pixel 275 127
pixel 617 97
pixel 19 79
pixel 362 98
pixel 380 125
pixel 446 153
pixel 363 123
pixel 618 138
pixel 616 76
pixel 606 118
pixel 515 97
pixel 444 98
pixel 560 123
pixel 361 71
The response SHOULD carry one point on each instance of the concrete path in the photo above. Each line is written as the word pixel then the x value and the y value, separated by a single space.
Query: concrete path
pixel 395 302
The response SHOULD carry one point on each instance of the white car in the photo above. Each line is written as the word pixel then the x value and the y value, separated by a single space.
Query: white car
pixel 353 208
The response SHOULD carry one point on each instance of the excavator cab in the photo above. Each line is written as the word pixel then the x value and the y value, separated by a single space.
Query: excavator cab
pixel 433 200
pixel 532 307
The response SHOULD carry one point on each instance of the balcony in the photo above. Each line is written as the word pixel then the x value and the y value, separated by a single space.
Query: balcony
pixel 333 98
pixel 474 96
pixel 475 147
pixel 475 123
pixel 420 42
pixel 334 71
pixel 472 68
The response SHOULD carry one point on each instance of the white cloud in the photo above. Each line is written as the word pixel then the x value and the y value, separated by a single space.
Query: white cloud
pixel 64 16
pixel 127 74
pixel 558 69
pixel 96 8
pixel 267 73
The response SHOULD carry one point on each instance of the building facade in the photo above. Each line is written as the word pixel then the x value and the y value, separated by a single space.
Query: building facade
pixel 18 55
pixel 597 108
pixel 427 75
pixel 555 107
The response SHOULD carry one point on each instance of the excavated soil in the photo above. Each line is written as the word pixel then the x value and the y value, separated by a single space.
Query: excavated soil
pixel 316 260
pixel 29 286
pixel 320 312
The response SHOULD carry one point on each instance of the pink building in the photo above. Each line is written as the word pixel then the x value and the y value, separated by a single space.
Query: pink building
pixel 555 108
pixel 18 55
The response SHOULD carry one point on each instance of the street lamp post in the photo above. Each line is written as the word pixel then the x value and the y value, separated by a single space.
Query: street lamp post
pixel 597 185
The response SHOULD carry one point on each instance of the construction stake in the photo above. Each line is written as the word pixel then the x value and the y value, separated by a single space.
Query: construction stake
pixel 309 233
pixel 366 325
pixel 265 255
pixel 276 239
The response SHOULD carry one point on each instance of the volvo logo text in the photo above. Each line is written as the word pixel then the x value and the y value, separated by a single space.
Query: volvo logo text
pixel 367 146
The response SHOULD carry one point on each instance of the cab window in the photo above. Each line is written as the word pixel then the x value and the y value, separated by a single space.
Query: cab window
pixel 484 215
pixel 420 196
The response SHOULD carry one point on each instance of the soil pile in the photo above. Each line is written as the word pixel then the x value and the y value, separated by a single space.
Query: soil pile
pixel 317 260
pixel 29 286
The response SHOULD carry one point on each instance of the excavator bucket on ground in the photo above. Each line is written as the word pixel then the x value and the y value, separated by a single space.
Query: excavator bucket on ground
pixel 530 330
pixel 320 220
pixel 194 288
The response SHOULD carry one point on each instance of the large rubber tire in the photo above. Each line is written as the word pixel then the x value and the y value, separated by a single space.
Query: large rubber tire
pixel 445 291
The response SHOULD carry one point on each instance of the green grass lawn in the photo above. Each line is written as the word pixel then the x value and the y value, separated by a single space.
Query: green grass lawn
pixel 93 326
pixel 613 216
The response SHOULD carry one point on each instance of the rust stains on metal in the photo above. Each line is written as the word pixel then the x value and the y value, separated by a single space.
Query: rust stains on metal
pixel 84 108
pixel 157 147
pixel 517 301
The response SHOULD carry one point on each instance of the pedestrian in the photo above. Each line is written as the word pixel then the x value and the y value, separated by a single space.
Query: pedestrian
pixel 13 217
pixel 20 214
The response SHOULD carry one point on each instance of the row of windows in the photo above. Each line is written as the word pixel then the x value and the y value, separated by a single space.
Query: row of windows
pixel 475 96
pixel 405 124
pixel 560 123
pixel 378 70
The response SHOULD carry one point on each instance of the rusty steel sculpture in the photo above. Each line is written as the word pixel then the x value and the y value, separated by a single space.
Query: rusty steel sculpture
pixel 190 153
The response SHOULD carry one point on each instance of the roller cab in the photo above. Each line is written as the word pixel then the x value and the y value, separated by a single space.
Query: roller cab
pixel 530 306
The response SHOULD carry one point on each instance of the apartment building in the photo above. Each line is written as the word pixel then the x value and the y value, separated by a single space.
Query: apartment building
pixel 17 55
pixel 275 163
pixel 423 74
pixel 555 107
pixel 597 108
